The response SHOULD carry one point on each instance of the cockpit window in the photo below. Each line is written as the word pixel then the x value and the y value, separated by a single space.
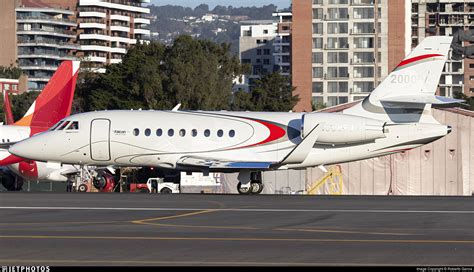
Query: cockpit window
pixel 57 125
pixel 64 125
pixel 74 126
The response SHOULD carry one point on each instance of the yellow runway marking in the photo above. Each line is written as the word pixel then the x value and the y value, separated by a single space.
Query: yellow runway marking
pixel 248 239
pixel 138 262
pixel 147 220
pixel 345 231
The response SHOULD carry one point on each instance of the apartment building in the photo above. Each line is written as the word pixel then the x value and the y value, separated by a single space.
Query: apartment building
pixel 443 17
pixel 282 42
pixel 38 34
pixel 45 37
pixel 107 28
pixel 342 49
pixel 256 47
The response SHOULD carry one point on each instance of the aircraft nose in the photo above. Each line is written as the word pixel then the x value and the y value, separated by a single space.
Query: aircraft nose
pixel 28 149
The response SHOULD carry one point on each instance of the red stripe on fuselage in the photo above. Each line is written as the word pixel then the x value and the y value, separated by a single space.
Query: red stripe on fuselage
pixel 11 159
pixel 422 57
pixel 28 169
pixel 276 133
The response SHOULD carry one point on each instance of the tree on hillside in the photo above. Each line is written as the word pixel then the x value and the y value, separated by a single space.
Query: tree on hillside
pixel 272 92
pixel 11 72
pixel 469 104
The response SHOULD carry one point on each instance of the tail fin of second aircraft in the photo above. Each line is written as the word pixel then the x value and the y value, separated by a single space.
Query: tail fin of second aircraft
pixel 7 109
pixel 55 101
pixel 408 92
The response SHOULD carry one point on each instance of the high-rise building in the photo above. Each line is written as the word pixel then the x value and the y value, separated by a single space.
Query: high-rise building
pixel 451 18
pixel 107 28
pixel 38 34
pixel 342 49
pixel 282 42
pixel 256 48
pixel 45 37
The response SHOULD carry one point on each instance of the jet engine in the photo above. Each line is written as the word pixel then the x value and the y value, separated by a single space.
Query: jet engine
pixel 341 128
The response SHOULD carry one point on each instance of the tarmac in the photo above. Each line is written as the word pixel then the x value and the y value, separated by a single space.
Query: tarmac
pixel 115 229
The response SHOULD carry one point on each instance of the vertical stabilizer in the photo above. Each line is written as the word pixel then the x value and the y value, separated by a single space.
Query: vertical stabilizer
pixel 55 101
pixel 408 91
pixel 7 109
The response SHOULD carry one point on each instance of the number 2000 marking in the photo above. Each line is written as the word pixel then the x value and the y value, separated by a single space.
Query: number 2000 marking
pixel 403 79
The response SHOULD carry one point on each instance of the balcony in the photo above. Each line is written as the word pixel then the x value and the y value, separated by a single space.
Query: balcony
pixel 104 4
pixel 47 32
pixel 45 20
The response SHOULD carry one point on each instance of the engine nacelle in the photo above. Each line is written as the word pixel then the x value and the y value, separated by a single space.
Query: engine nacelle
pixel 342 129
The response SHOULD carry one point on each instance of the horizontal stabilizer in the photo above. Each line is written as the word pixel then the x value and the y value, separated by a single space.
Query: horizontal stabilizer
pixel 422 99
pixel 218 164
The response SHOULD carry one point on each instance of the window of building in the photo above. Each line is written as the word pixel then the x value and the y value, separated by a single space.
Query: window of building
pixel 266 61
pixel 318 57
pixel 337 28
pixel 362 28
pixel 336 100
pixel 338 87
pixel 6 87
pixel 363 86
pixel 338 57
pixel 363 13
pixel 266 51
pixel 318 72
pixel 246 61
pixel 265 31
pixel 318 13
pixel 136 132
pixel 337 43
pixel 337 13
pixel 171 132
pixel 318 28
pixel 159 132
pixel 338 72
pixel 259 52
pixel 317 87
pixel 318 43
pixel 363 42
pixel 363 72
pixel 364 57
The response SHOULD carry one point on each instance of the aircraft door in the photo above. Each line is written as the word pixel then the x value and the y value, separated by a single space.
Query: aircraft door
pixel 100 140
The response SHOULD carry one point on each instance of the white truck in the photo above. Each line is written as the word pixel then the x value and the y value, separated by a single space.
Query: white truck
pixel 158 185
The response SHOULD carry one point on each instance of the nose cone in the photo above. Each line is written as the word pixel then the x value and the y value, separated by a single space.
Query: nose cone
pixel 31 148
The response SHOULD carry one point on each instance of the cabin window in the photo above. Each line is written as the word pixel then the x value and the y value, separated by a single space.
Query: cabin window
pixel 194 132
pixel 182 133
pixel 136 132
pixel 8 140
pixel 64 125
pixel 3 140
pixel 147 132
pixel 232 133
pixel 207 133
pixel 74 126
pixel 159 132
pixel 170 132
pixel 220 133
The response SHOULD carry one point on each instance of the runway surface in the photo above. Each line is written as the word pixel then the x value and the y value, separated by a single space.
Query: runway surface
pixel 234 230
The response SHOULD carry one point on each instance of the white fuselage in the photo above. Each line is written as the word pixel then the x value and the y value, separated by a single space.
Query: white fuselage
pixel 162 138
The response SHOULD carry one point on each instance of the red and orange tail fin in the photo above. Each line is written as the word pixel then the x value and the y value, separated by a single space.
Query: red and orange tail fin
pixel 7 109
pixel 55 101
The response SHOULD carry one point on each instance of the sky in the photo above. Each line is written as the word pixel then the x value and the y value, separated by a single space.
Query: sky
pixel 212 3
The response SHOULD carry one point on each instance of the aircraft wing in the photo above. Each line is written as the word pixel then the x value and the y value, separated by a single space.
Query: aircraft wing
pixel 423 99
pixel 218 164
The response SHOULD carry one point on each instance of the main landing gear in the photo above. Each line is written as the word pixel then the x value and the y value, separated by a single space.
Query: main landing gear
pixel 249 183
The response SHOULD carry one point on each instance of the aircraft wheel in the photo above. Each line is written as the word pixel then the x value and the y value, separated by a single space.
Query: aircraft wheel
pixel 243 190
pixel 82 188
pixel 257 187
